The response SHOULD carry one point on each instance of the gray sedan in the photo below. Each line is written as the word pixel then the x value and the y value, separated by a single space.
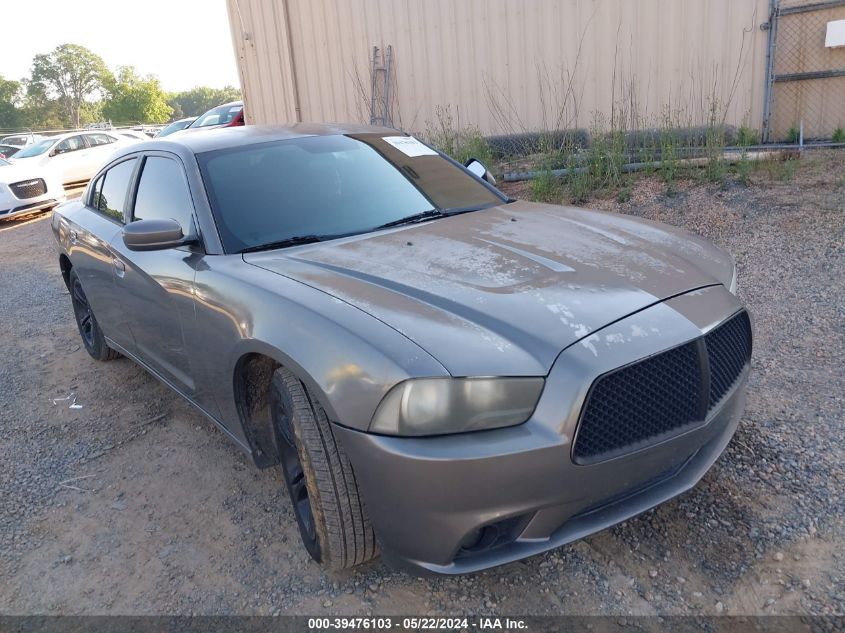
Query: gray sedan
pixel 443 375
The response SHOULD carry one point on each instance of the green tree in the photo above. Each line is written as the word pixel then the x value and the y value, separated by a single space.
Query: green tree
pixel 134 99
pixel 39 111
pixel 10 92
pixel 91 112
pixel 71 73
pixel 197 100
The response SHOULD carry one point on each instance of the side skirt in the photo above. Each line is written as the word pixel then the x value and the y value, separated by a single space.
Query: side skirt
pixel 163 380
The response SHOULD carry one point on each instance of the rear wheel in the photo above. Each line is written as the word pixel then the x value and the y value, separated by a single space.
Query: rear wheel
pixel 92 336
pixel 331 515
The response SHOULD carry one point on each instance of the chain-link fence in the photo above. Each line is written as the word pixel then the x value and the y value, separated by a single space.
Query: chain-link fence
pixel 807 79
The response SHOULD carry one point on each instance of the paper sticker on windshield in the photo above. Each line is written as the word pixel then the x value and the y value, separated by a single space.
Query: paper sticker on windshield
pixel 409 146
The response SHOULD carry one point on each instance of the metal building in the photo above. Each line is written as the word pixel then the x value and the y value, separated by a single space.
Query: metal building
pixel 525 65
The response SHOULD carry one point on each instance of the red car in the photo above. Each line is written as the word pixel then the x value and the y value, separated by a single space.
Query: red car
pixel 226 115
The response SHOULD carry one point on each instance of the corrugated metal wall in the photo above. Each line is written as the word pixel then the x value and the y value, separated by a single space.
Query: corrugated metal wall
pixel 504 65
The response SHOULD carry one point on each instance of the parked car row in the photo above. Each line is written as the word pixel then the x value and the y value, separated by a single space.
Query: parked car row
pixel 226 115
pixel 73 157
pixel 35 170
pixel 33 176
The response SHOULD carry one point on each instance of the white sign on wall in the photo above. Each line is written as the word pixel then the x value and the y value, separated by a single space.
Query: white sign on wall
pixel 835 34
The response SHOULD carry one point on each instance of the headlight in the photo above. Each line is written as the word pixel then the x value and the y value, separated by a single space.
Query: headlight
pixel 435 406
pixel 732 287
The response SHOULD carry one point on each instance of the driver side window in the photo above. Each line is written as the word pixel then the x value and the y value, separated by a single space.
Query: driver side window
pixel 163 193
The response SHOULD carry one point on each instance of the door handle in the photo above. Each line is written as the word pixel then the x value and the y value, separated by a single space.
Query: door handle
pixel 119 267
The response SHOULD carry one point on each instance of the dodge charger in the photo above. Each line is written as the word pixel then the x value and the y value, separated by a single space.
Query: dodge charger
pixel 443 375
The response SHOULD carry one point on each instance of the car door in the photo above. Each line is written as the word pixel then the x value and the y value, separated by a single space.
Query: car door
pixel 68 159
pixel 89 237
pixel 156 287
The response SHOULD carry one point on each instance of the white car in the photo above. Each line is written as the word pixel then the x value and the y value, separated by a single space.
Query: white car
pixel 73 157
pixel 27 188
pixel 21 140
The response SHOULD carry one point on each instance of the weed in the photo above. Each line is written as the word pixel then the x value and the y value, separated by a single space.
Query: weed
pixel 714 146
pixel 787 169
pixel 648 155
pixel 580 181
pixel 838 135
pixel 745 136
pixel 743 169
pixel 794 135
pixel 459 142
pixel 669 141
pixel 545 188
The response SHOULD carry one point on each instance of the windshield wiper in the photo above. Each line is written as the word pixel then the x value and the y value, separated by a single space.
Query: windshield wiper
pixel 290 241
pixel 459 210
pixel 412 219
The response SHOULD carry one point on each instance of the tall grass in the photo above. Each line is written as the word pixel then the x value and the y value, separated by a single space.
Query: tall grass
pixel 461 142
pixel 691 124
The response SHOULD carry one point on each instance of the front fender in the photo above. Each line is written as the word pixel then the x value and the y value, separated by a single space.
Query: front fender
pixel 345 357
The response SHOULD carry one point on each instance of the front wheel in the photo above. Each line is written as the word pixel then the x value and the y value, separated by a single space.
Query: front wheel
pixel 92 336
pixel 331 515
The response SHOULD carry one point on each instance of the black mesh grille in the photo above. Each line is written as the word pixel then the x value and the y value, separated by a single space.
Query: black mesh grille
pixel 728 350
pixel 639 403
pixel 655 398
pixel 29 188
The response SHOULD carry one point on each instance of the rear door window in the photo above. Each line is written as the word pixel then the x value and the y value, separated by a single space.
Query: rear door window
pixel 99 139
pixel 109 194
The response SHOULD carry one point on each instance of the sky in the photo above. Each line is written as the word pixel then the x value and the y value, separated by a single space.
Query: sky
pixel 186 43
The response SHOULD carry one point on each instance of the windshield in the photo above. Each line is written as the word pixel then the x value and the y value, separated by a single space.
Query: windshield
pixel 174 127
pixel 327 186
pixel 218 116
pixel 36 149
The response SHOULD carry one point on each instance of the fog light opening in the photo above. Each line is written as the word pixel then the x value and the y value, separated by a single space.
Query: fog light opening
pixel 480 539
pixel 493 535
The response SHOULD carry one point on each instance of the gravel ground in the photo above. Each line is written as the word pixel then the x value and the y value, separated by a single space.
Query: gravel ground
pixel 130 502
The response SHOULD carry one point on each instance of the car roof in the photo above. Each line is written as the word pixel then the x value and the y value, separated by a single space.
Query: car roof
pixel 60 137
pixel 200 141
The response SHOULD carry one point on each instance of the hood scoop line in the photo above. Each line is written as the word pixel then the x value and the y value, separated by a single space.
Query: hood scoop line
pixel 525 340
pixel 537 259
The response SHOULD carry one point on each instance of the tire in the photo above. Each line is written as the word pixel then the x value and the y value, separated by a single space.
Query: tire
pixel 329 510
pixel 89 330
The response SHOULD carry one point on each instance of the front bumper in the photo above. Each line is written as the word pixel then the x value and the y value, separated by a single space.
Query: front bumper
pixel 427 497
pixel 13 208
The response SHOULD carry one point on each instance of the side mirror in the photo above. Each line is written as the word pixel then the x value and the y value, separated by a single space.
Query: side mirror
pixel 154 235
pixel 478 168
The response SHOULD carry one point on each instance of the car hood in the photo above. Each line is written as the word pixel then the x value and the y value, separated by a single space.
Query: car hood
pixel 22 169
pixel 503 291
